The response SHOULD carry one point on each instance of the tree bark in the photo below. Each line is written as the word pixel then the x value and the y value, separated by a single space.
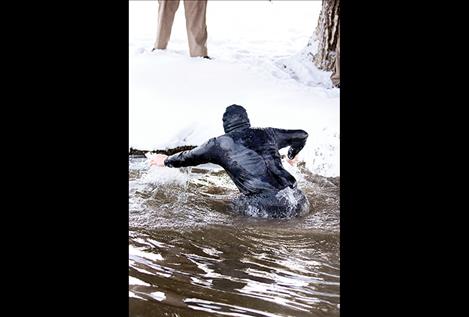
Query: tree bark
pixel 326 34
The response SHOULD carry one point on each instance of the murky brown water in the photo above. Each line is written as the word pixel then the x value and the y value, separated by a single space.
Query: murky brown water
pixel 190 255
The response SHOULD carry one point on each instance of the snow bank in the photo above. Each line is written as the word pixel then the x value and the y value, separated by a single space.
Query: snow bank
pixel 259 61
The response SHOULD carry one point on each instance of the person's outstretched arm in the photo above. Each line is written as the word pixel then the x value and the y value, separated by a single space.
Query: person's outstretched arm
pixel 296 139
pixel 199 155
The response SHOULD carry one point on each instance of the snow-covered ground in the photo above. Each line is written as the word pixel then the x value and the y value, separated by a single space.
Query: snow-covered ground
pixel 259 61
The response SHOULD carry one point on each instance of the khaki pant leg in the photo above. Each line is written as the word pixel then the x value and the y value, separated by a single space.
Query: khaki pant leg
pixel 196 26
pixel 166 11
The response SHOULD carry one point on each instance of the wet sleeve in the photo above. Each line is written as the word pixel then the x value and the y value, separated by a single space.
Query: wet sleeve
pixel 296 139
pixel 204 153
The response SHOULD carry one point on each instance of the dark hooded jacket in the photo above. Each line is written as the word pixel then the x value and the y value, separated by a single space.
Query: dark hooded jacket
pixel 250 156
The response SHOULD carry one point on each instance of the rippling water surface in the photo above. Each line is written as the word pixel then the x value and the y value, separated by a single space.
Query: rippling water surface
pixel 191 255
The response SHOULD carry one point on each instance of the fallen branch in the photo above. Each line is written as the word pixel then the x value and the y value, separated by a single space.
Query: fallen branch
pixel 141 153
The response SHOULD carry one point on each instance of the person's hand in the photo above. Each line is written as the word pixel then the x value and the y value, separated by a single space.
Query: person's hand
pixel 158 159
pixel 293 161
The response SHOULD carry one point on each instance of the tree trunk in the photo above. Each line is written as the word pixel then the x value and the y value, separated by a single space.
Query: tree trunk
pixel 327 34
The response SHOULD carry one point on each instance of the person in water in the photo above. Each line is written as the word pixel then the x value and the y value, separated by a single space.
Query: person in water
pixel 250 156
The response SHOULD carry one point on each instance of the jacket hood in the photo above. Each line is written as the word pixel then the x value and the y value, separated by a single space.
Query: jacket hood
pixel 234 118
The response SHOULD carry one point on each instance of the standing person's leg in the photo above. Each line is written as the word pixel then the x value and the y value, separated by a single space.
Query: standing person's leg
pixel 196 26
pixel 336 74
pixel 166 11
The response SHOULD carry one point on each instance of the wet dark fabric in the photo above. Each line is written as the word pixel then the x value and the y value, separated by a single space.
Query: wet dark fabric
pixel 250 156
pixel 285 203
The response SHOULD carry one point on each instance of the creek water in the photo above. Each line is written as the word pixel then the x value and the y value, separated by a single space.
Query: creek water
pixel 190 254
